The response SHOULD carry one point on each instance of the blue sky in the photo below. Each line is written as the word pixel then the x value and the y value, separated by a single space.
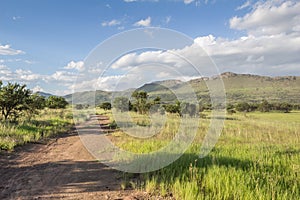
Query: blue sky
pixel 44 42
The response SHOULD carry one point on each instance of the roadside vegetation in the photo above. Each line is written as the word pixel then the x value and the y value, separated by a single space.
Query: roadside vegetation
pixel 27 117
pixel 257 155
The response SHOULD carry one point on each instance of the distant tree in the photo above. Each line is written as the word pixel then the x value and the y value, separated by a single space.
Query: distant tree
pixel 155 105
pixel 204 106
pixel 121 104
pixel 141 101
pixel 230 109
pixel 264 106
pixel 189 109
pixel 105 105
pixel 81 106
pixel 156 100
pixel 173 108
pixel 243 107
pixel 55 102
pixel 285 107
pixel 13 99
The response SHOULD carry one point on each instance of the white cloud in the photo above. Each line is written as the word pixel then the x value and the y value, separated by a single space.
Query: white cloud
pixel 188 1
pixel 79 66
pixel 7 50
pixel 113 22
pixel 167 19
pixel 270 18
pixel 144 22
pixel 245 5
pixel 63 76
pixel 27 75
pixel 37 88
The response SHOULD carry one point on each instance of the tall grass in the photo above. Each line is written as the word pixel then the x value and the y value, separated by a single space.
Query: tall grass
pixel 256 157
pixel 47 124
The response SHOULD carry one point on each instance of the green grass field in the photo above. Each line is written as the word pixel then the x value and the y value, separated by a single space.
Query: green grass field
pixel 256 157
pixel 48 123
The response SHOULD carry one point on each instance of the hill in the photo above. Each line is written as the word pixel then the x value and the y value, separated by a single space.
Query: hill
pixel 239 87
pixel 44 94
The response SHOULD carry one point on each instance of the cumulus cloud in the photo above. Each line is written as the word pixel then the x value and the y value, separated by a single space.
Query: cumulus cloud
pixel 143 22
pixel 37 88
pixel 79 66
pixel 59 79
pixel 270 18
pixel 113 22
pixel 272 52
pixel 7 50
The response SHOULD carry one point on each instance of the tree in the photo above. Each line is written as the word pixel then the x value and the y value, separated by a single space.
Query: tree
pixel 105 105
pixel 155 105
pixel 173 108
pixel 189 109
pixel 243 107
pixel 264 106
pixel 141 104
pixel 55 102
pixel 285 107
pixel 34 103
pixel 13 99
pixel 230 108
pixel 121 104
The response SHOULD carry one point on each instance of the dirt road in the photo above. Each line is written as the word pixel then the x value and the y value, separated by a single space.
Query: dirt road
pixel 60 169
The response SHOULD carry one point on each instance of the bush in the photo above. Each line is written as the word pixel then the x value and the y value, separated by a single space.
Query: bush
pixel 55 102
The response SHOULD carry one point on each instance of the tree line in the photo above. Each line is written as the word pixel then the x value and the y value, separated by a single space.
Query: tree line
pixel 16 100
pixel 263 106
pixel 141 104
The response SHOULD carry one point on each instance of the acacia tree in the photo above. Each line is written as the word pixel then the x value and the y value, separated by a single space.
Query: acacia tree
pixel 141 104
pixel 13 97
pixel 105 105
pixel 56 102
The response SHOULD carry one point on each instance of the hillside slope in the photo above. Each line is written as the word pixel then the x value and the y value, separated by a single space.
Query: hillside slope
pixel 239 87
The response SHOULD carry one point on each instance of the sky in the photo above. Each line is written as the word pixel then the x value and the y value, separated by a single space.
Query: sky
pixel 45 44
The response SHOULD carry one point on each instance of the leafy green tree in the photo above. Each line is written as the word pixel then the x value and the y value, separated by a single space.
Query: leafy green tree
pixel 285 107
pixel 13 99
pixel 105 105
pixel 243 107
pixel 141 104
pixel 55 102
pixel 122 104
pixel 173 108
pixel 155 105
pixel 34 103
pixel 264 106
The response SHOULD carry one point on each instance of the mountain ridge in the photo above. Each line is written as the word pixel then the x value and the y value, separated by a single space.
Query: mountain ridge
pixel 238 87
